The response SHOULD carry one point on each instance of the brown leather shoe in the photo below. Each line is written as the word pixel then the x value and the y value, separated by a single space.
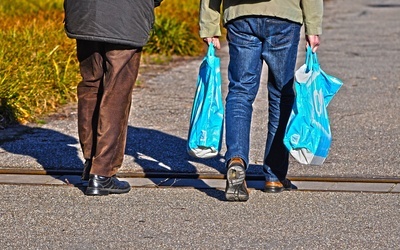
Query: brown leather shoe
pixel 278 186
pixel 236 188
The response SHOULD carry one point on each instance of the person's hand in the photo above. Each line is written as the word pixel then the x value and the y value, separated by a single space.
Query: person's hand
pixel 214 40
pixel 313 42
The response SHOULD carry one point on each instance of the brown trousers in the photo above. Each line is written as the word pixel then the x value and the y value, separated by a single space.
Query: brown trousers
pixel 109 72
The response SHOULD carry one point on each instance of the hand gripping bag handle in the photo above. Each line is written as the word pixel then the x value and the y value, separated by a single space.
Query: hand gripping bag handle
pixel 311 60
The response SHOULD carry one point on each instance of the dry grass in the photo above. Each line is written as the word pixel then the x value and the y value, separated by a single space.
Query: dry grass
pixel 38 66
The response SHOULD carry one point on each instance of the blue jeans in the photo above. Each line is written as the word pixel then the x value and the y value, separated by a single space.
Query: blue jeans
pixel 253 40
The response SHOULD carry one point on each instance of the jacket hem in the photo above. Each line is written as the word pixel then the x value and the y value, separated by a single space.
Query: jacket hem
pixel 105 39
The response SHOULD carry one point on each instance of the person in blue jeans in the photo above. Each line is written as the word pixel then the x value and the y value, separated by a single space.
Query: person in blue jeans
pixel 257 32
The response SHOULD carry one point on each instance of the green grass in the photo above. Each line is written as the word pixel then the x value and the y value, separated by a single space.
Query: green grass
pixel 170 37
pixel 38 67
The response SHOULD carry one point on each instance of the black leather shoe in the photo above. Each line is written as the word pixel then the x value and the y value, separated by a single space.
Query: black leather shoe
pixel 101 185
pixel 86 170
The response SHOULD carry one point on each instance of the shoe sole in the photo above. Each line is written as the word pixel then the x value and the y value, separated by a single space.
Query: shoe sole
pixel 236 189
pixel 101 191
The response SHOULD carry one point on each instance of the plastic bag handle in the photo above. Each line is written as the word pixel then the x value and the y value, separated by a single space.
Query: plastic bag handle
pixel 211 50
pixel 311 60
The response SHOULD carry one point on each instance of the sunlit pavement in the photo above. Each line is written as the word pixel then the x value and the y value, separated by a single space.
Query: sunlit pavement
pixel 352 185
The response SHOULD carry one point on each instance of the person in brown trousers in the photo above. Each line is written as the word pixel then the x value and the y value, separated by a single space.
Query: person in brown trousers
pixel 109 37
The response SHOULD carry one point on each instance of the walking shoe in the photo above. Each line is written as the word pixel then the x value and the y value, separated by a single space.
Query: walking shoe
pixel 86 170
pixel 278 186
pixel 236 188
pixel 101 185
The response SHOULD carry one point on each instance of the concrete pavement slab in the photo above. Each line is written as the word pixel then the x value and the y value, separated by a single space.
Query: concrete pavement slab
pixel 27 179
pixel 176 182
pixel 396 189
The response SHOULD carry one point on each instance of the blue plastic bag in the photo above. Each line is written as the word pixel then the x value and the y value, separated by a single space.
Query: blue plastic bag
pixel 207 117
pixel 308 135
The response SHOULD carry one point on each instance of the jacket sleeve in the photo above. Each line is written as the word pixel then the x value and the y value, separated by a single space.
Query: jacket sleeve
pixel 210 18
pixel 157 3
pixel 312 15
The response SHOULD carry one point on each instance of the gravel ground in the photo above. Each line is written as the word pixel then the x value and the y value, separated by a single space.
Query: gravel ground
pixel 176 218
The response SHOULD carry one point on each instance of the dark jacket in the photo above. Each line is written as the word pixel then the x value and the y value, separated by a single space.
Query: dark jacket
pixel 126 22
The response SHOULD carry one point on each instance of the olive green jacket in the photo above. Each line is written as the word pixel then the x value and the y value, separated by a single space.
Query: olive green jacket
pixel 307 12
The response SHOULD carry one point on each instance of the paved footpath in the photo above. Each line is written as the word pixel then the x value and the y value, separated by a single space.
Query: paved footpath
pixel 360 45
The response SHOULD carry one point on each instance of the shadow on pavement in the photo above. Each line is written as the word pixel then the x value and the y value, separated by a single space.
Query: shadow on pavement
pixel 157 152
pixel 52 150
pixel 152 150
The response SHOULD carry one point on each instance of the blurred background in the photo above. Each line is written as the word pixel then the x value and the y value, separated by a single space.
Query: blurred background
pixel 38 67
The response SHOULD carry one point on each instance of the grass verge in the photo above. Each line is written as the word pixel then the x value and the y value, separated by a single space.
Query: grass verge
pixel 38 66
